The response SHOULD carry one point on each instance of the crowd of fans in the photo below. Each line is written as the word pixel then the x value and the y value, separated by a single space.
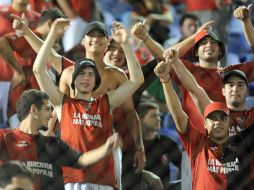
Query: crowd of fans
pixel 126 94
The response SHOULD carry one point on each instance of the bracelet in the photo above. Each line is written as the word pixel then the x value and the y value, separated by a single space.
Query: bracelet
pixel 146 38
pixel 165 81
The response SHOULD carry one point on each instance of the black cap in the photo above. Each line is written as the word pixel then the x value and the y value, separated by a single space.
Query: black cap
pixel 226 75
pixel 201 35
pixel 96 25
pixel 82 65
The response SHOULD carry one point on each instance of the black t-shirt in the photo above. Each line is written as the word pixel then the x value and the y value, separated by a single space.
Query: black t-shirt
pixel 159 150
pixel 44 155
pixel 238 154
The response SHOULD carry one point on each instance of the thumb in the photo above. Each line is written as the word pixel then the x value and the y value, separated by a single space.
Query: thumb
pixel 145 22
pixel 178 50
pixel 250 6
pixel 24 17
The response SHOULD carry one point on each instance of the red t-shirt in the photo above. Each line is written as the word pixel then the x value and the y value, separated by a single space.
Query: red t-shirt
pixel 86 126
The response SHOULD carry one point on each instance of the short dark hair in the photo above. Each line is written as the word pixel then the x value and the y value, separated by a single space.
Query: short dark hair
pixel 28 98
pixel 144 107
pixel 189 16
pixel 52 13
pixel 13 169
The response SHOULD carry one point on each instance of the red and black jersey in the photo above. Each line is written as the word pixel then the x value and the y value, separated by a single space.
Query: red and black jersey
pixel 44 155
pixel 86 125
pixel 216 166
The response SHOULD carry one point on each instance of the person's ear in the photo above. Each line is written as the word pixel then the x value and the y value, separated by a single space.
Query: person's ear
pixel 49 23
pixel 223 91
pixel 34 111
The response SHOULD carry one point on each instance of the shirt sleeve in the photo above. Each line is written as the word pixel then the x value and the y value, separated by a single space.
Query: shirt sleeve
pixel 246 67
pixel 191 138
pixel 189 65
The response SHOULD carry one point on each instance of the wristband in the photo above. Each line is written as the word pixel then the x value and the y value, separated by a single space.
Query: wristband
pixel 146 38
pixel 165 81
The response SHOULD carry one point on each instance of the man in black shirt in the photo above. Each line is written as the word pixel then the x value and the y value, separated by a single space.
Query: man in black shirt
pixel 44 155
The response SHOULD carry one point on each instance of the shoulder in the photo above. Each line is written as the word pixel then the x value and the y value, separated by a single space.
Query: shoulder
pixel 114 72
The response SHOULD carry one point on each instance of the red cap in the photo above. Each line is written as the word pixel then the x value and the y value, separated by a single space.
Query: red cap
pixel 216 106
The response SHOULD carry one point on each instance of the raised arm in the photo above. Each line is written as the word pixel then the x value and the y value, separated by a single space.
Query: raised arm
pixel 21 26
pixel 243 13
pixel 7 54
pixel 180 118
pixel 199 95
pixel 140 31
pixel 40 64
pixel 67 9
pixel 127 89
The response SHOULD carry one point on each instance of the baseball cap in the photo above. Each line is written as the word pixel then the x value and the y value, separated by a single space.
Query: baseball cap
pixel 215 106
pixel 82 65
pixel 226 75
pixel 201 35
pixel 96 25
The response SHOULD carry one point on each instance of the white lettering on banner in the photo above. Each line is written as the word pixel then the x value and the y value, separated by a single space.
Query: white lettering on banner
pixel 215 166
pixel 87 120
pixel 40 168
pixel 233 130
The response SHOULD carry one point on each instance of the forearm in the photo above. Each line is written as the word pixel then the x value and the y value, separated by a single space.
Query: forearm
pixel 184 46
pixel 65 6
pixel 163 17
pixel 92 156
pixel 135 130
pixel 184 75
pixel 174 106
pixel 134 68
pixel 43 54
pixel 190 83
pixel 248 32
pixel 7 54
pixel 154 47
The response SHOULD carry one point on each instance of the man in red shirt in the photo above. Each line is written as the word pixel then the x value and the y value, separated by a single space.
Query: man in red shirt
pixel 17 7
pixel 18 54
pixel 45 156
pixel 85 121
pixel 217 161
